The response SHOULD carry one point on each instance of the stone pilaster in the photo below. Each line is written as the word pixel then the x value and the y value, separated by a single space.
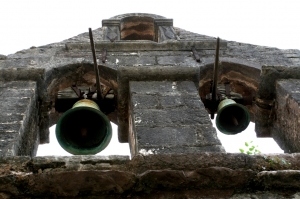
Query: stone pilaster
pixel 18 118
pixel 168 117
pixel 286 126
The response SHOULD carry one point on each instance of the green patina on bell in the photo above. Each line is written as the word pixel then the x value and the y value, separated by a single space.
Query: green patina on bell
pixel 83 129
pixel 232 118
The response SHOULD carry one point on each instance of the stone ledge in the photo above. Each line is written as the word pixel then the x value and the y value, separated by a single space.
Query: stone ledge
pixel 143 45
pixel 142 163
pixel 202 175
pixel 76 163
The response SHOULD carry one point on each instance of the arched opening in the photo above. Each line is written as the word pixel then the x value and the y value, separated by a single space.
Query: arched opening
pixel 137 28
pixel 244 80
pixel 83 76
pixel 62 97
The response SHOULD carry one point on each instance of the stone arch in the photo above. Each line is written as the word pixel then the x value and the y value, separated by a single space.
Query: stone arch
pixel 243 76
pixel 81 75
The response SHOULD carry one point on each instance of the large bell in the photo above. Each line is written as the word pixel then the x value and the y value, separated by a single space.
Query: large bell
pixel 83 129
pixel 232 118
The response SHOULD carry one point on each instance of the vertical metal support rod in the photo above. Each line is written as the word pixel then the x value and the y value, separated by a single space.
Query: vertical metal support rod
pixel 99 93
pixel 104 55
pixel 215 79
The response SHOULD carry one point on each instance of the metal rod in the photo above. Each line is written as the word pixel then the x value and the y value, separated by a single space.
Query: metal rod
pixel 104 55
pixel 215 79
pixel 196 55
pixel 77 91
pixel 99 93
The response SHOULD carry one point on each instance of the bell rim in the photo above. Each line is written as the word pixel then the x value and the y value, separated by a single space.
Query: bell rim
pixel 221 110
pixel 91 151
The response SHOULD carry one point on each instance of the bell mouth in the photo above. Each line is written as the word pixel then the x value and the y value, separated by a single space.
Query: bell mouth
pixel 83 131
pixel 232 118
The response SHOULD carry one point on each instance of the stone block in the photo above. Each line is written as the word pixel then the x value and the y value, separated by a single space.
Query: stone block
pixel 166 136
pixel 180 149
pixel 151 87
pixel 286 127
pixel 144 101
pixel 280 180
pixel 152 118
pixel 131 60
pixel 177 60
pixel 171 101
pixel 207 135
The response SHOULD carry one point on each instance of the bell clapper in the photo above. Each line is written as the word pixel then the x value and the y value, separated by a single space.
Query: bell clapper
pixel 83 131
pixel 234 120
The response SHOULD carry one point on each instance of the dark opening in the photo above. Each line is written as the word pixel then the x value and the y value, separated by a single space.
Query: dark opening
pixel 83 128
pixel 233 119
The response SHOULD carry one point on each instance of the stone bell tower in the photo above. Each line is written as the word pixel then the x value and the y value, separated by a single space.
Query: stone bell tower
pixel 155 78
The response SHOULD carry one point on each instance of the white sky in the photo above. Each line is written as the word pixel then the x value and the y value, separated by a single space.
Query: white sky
pixel 26 23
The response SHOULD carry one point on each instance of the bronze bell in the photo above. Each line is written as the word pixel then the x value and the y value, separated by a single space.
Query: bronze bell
pixel 232 118
pixel 83 129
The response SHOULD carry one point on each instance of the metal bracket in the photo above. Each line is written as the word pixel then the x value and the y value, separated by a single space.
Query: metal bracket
pixel 196 55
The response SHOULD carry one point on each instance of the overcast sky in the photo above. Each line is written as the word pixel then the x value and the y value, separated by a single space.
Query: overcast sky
pixel 274 23
pixel 26 23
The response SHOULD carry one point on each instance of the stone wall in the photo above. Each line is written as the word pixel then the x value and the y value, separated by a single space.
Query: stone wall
pixel 18 118
pixel 204 175
pixel 46 63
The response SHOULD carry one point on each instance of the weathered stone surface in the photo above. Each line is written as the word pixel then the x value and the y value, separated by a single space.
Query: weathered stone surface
pixel 111 33
pixel 74 163
pixel 177 60
pixel 284 181
pixel 202 175
pixel 86 183
pixel 18 118
pixel 286 123
pixel 264 162
pixel 262 195
pixel 159 73
pixel 178 125
pixel 3 57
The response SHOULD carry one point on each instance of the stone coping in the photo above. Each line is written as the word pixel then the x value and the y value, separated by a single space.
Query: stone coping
pixel 144 45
